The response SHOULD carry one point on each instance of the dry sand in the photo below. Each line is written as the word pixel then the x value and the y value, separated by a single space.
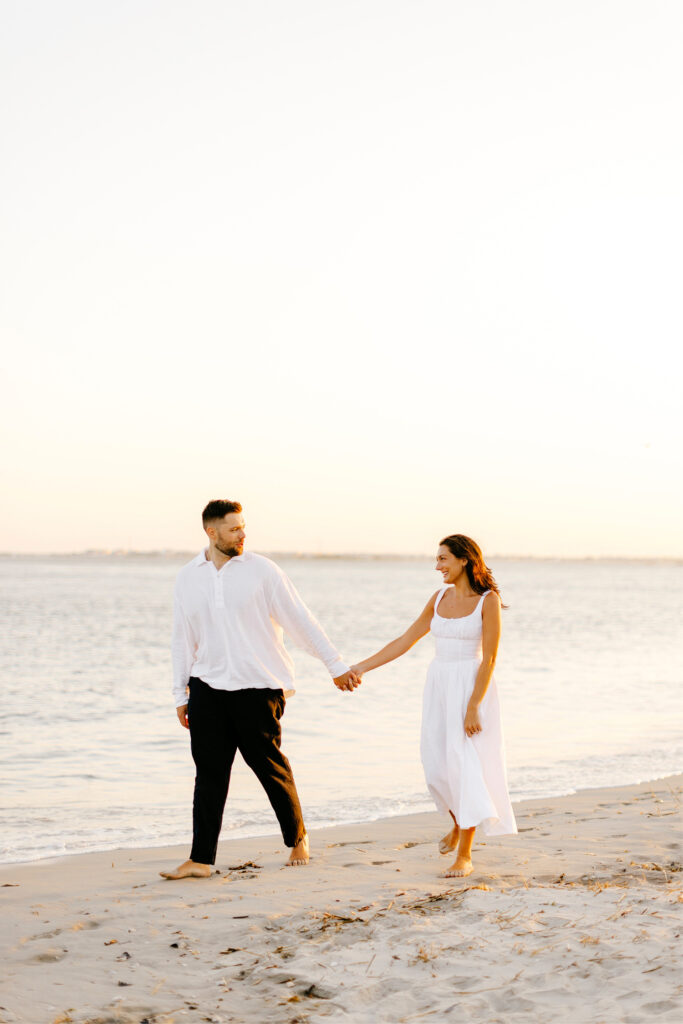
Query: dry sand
pixel 575 919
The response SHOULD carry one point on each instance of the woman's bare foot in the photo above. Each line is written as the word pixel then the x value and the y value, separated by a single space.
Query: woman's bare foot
pixel 190 869
pixel 449 841
pixel 299 854
pixel 461 867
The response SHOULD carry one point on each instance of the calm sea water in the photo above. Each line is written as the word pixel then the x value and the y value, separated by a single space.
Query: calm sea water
pixel 92 756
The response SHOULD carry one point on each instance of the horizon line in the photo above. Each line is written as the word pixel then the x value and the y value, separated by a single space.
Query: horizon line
pixel 330 555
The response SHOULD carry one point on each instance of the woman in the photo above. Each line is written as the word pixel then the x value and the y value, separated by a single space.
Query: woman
pixel 462 741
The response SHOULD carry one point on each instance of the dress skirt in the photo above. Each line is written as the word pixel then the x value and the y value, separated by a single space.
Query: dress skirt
pixel 465 775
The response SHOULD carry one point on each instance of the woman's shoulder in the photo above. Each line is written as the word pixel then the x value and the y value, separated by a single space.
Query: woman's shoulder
pixel 434 598
pixel 491 600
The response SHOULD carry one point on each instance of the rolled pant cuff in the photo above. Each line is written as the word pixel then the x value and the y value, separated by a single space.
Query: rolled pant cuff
pixel 199 857
pixel 301 834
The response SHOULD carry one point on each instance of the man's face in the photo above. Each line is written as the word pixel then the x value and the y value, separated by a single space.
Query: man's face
pixel 227 534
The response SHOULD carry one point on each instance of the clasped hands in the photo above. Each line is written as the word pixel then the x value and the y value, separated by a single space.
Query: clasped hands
pixel 349 681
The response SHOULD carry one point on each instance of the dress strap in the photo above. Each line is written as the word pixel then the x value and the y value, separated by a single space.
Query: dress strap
pixel 481 600
pixel 440 595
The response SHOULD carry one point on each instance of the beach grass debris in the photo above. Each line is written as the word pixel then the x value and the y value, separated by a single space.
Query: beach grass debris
pixel 336 921
pixel 673 866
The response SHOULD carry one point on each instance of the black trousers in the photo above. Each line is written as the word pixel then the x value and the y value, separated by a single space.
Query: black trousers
pixel 221 723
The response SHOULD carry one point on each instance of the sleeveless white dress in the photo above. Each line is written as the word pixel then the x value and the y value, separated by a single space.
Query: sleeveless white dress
pixel 465 774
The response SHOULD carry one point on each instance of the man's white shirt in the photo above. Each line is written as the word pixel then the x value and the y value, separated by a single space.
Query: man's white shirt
pixel 228 626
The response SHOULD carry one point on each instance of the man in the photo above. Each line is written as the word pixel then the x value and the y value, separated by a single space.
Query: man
pixel 229 612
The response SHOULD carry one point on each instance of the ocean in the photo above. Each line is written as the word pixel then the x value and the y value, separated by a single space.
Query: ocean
pixel 92 756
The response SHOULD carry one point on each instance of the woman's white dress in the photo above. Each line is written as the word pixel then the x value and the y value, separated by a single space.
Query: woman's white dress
pixel 465 774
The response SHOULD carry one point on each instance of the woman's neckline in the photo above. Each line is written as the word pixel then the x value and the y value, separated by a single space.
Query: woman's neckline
pixel 454 618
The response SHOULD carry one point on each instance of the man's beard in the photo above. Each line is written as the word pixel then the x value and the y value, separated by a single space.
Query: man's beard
pixel 228 552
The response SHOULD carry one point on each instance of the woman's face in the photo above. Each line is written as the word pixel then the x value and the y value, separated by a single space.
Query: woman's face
pixel 450 567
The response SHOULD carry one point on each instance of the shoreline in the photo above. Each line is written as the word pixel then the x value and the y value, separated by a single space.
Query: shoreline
pixel 273 833
pixel 575 919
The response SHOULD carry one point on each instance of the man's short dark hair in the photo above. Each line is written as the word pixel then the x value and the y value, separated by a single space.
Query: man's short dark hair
pixel 218 509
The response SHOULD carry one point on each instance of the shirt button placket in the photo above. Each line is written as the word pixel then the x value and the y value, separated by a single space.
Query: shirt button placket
pixel 218 592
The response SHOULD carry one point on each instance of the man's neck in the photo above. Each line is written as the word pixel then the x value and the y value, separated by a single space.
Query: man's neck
pixel 217 557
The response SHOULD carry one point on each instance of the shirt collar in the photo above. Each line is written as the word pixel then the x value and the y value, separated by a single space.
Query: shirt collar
pixel 201 558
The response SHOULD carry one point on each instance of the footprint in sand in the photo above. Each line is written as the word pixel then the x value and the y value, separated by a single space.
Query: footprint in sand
pixel 374 992
pixel 77 927
pixel 662 1006
pixel 44 935
pixel 50 956
pixel 358 842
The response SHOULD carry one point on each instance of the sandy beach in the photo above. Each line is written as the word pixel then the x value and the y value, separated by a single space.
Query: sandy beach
pixel 576 919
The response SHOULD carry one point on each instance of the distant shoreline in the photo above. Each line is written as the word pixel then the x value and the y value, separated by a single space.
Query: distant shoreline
pixel 172 555
pixel 331 556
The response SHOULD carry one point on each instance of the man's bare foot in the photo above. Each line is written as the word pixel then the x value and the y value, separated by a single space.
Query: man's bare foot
pixel 461 867
pixel 299 854
pixel 449 841
pixel 190 869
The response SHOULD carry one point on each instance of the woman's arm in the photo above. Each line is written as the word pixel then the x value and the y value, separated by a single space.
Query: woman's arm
pixel 402 643
pixel 490 638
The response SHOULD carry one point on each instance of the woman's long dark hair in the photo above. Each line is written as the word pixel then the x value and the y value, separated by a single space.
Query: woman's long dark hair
pixel 478 573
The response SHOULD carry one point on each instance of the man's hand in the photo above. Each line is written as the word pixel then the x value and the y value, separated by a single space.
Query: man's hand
pixel 349 681
pixel 182 716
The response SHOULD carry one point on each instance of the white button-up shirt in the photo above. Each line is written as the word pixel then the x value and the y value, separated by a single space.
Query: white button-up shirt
pixel 228 626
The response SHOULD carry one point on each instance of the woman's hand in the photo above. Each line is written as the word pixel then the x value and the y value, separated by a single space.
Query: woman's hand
pixel 472 723
pixel 358 669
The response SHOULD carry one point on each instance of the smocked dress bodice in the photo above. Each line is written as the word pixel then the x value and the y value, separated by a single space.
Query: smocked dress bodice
pixel 457 639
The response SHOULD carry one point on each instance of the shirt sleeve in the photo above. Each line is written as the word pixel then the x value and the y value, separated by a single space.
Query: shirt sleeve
pixel 291 613
pixel 182 652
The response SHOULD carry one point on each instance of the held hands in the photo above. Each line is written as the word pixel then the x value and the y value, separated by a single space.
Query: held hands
pixel 349 681
pixel 472 723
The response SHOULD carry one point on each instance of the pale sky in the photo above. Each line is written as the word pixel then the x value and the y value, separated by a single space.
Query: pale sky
pixel 379 270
